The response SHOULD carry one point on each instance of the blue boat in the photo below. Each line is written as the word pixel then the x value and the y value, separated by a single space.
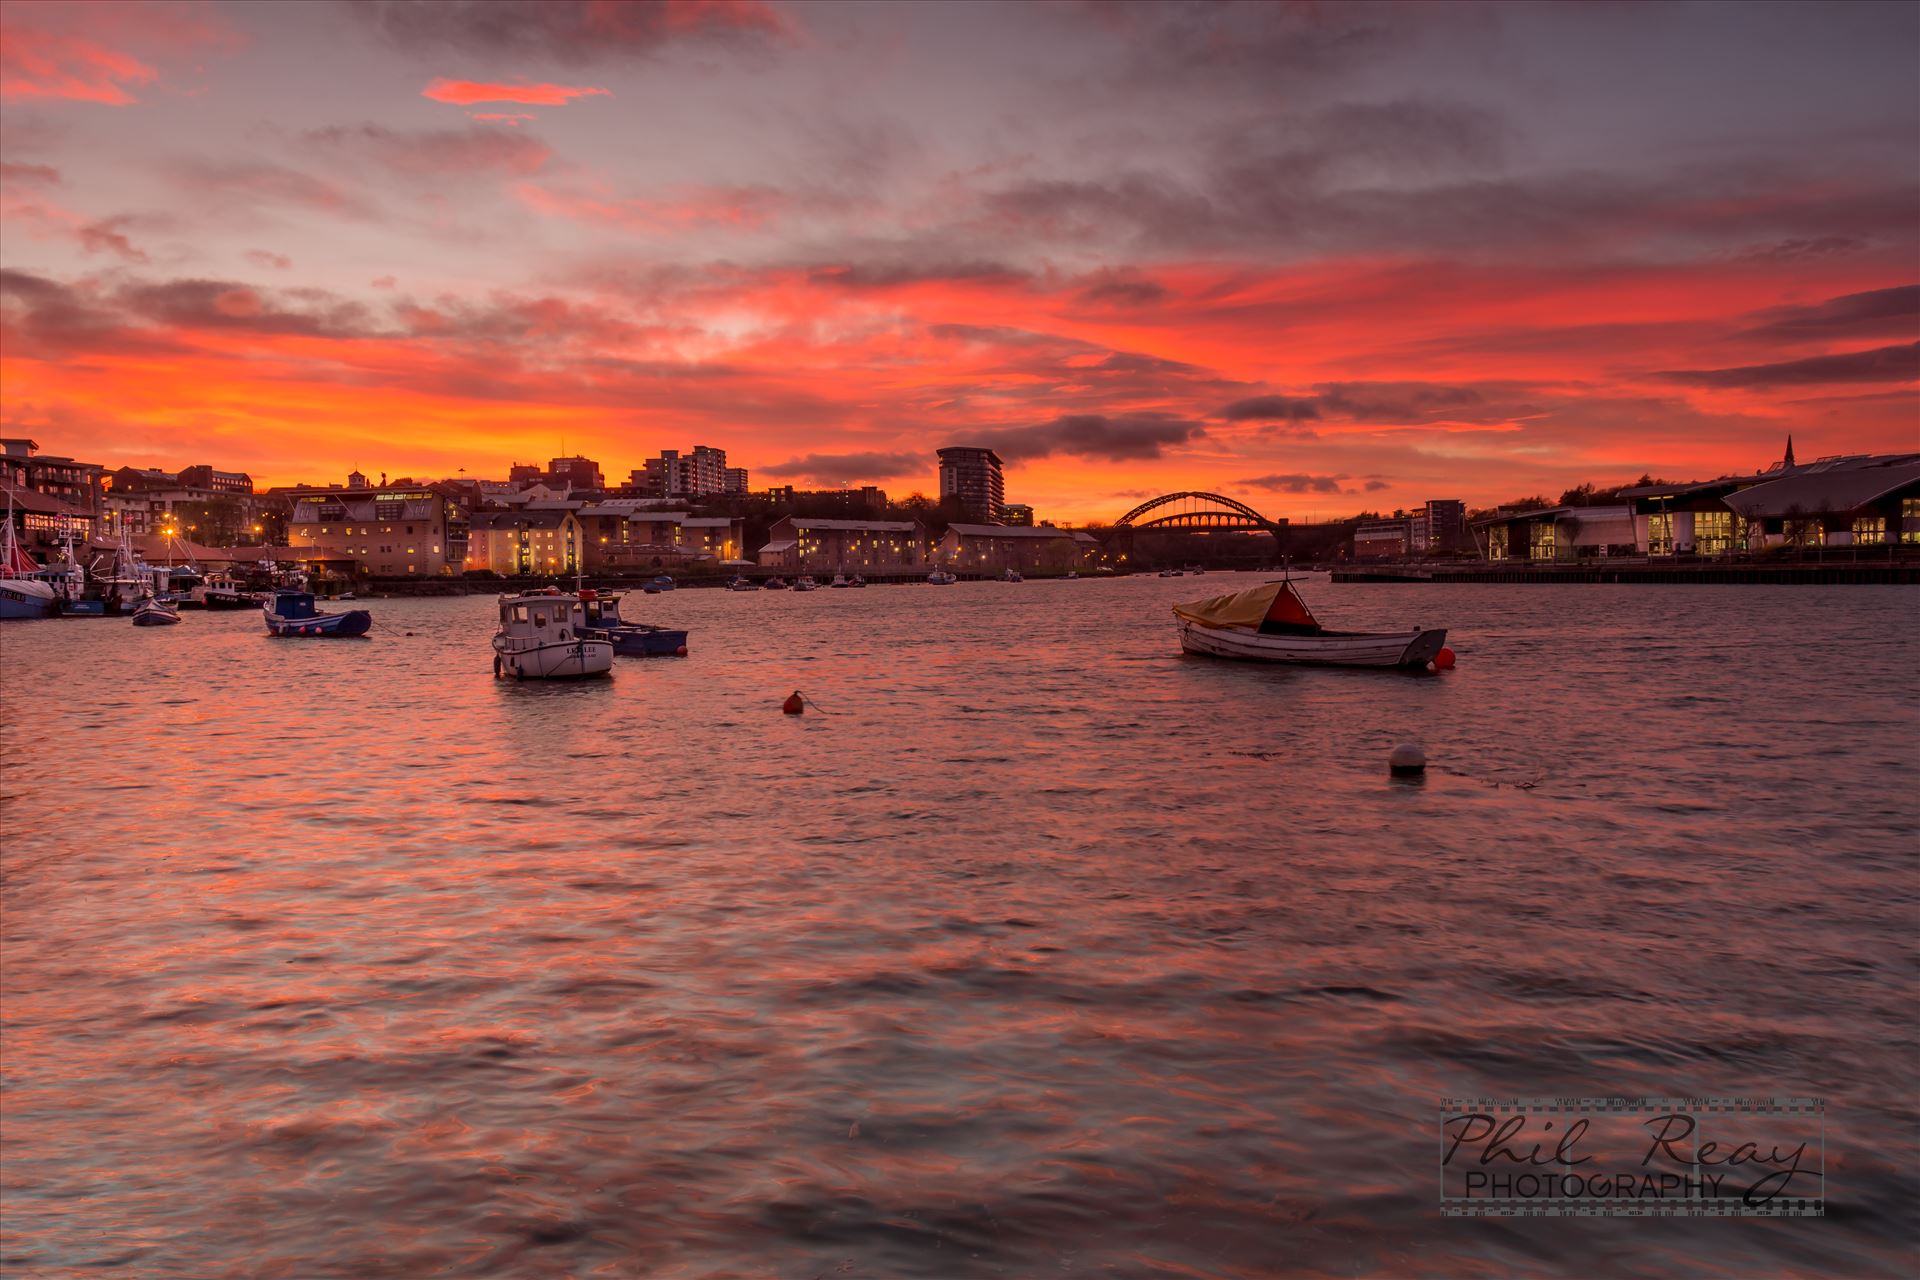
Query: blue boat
pixel 635 639
pixel 659 584
pixel 291 613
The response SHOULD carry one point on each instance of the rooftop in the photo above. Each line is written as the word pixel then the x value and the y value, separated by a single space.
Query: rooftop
pixel 1007 531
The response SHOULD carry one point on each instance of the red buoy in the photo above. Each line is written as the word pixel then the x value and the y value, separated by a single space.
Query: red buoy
pixel 680 652
pixel 1443 660
pixel 793 705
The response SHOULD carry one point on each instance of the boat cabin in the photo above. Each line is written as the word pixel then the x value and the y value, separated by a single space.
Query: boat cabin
pixel 541 617
pixel 292 605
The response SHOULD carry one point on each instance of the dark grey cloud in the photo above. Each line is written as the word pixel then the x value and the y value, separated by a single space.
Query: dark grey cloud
pixel 228 304
pixel 46 319
pixel 1295 482
pixel 1882 364
pixel 1122 291
pixel 1100 436
pixel 838 467
pixel 885 274
pixel 1388 403
pixel 1875 312
pixel 1271 409
pixel 574 32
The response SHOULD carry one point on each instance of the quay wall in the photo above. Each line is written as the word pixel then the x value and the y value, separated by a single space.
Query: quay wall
pixel 1883 573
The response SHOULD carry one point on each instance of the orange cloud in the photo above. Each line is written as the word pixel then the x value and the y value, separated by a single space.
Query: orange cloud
pixel 467 92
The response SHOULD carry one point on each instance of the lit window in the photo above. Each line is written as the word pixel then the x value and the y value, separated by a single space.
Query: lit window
pixel 1870 531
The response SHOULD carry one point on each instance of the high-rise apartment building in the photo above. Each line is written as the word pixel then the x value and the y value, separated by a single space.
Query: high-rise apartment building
pixel 702 472
pixel 974 476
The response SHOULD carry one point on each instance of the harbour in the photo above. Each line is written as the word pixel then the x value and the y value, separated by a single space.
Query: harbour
pixel 1064 953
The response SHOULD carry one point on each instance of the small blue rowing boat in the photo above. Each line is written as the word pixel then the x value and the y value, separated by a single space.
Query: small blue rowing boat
pixel 291 613
pixel 635 639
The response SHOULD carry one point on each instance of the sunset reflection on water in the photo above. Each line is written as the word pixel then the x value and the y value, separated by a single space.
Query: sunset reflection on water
pixel 1040 949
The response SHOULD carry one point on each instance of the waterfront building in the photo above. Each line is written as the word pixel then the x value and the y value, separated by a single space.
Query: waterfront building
pixel 517 543
pixel 392 531
pixel 201 503
pixel 626 533
pixel 995 548
pixel 1856 501
pixel 1442 525
pixel 1017 513
pixel 233 484
pixel 41 521
pixel 804 544
pixel 574 473
pixel 77 485
pixel 974 477
pixel 867 500
pixel 1559 533
pixel 1383 539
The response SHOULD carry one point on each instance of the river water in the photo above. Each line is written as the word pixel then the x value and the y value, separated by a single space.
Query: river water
pixel 1034 949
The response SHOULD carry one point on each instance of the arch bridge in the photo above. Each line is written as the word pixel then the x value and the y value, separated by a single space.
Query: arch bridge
pixel 1192 509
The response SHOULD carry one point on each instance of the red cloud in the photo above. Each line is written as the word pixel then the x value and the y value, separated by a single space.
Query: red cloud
pixel 466 92
pixel 47 64
pixel 50 51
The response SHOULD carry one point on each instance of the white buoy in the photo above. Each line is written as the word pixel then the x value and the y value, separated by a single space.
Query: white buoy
pixel 1407 758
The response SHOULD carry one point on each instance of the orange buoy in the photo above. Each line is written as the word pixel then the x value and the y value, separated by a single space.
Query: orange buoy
pixel 793 705
pixel 1443 660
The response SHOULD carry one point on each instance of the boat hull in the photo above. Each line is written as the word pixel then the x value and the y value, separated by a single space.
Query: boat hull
pixel 154 616
pixel 354 622
pixel 1410 649
pixel 22 598
pixel 560 660
pixel 646 642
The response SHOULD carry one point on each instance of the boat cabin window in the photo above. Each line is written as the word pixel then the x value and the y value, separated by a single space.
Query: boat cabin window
pixel 540 617
pixel 519 613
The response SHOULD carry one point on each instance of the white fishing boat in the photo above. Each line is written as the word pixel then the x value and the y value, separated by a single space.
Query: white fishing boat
pixel 742 584
pixel 941 578
pixel 1012 575
pixel 542 637
pixel 1271 623
pixel 805 583
pixel 840 582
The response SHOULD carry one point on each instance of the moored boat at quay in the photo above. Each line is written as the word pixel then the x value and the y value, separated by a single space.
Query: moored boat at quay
pixel 222 591
pixel 291 613
pixel 941 578
pixel 743 584
pixel 543 636
pixel 1271 623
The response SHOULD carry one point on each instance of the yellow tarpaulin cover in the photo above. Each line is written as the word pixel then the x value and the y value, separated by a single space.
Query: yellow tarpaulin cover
pixel 1277 601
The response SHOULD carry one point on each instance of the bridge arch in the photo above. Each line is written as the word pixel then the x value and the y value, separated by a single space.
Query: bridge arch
pixel 1195 509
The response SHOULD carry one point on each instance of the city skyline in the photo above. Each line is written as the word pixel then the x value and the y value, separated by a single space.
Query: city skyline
pixel 1325 258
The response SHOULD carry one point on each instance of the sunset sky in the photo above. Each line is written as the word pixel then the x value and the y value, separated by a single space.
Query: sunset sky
pixel 1319 257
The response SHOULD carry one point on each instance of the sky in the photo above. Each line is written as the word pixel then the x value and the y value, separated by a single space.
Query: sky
pixel 1317 257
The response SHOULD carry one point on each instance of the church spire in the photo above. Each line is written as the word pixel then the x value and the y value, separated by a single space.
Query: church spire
pixel 1789 457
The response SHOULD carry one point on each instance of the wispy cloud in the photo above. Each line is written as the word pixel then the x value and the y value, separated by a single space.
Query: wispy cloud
pixel 467 92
